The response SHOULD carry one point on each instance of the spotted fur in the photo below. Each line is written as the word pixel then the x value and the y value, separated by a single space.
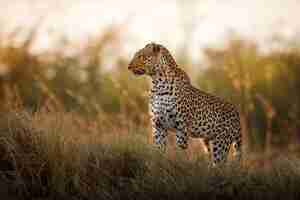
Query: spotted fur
pixel 176 104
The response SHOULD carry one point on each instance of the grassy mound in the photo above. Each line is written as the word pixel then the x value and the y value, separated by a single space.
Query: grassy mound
pixel 59 155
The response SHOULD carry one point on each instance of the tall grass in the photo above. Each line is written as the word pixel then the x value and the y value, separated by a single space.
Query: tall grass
pixel 50 154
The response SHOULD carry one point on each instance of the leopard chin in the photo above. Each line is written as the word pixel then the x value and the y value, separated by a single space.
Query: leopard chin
pixel 138 71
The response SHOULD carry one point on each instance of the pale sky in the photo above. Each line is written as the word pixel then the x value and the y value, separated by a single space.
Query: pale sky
pixel 156 20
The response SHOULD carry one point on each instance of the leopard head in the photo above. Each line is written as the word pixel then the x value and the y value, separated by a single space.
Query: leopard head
pixel 150 60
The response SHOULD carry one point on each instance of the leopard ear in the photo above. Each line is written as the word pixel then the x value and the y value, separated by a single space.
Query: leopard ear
pixel 156 48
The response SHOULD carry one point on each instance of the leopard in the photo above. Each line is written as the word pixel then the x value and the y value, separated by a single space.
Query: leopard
pixel 175 104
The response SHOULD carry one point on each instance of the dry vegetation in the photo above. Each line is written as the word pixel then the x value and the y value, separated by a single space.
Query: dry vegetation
pixel 68 129
pixel 59 155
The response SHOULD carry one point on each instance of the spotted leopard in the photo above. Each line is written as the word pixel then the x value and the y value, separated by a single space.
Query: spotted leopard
pixel 176 104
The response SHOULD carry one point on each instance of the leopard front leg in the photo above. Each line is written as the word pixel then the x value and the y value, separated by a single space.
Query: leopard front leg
pixel 159 134
pixel 181 135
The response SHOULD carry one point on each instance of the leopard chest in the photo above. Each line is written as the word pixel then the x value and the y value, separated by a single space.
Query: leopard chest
pixel 163 108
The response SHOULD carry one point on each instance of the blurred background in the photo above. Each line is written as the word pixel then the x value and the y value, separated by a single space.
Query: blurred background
pixel 72 56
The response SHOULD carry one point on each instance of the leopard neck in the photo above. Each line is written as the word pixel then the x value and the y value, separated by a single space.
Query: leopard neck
pixel 168 80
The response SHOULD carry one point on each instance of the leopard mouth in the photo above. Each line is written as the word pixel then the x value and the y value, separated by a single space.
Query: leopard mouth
pixel 138 71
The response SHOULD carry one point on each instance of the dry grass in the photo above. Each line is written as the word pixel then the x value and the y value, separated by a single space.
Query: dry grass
pixel 60 155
